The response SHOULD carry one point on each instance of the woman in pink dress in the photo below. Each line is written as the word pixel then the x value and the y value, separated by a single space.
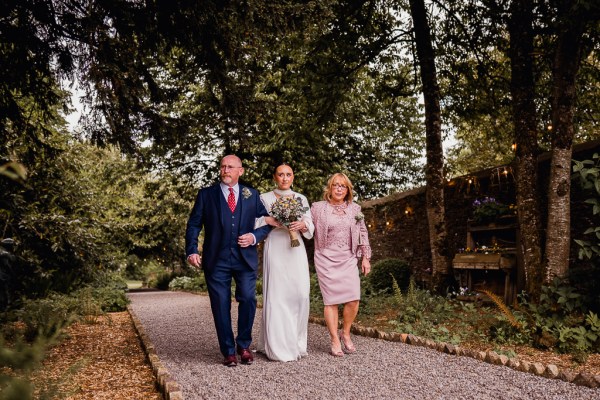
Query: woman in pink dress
pixel 341 239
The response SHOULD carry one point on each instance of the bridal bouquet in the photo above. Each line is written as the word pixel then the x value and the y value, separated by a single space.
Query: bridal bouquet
pixel 287 210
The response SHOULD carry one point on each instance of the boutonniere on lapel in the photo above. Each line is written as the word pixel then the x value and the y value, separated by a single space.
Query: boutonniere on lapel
pixel 246 193
pixel 359 217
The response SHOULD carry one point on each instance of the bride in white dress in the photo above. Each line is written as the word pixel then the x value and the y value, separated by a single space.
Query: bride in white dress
pixel 286 281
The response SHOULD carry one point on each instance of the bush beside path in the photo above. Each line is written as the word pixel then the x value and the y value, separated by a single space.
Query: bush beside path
pixel 180 327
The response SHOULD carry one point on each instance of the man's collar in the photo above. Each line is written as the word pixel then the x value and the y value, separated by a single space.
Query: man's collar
pixel 225 188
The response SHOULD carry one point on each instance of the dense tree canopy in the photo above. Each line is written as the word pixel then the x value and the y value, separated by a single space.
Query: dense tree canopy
pixel 328 86
pixel 266 80
pixel 270 79
pixel 475 71
pixel 83 211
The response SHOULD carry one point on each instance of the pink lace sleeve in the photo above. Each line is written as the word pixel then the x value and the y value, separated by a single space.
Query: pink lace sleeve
pixel 364 247
pixel 364 251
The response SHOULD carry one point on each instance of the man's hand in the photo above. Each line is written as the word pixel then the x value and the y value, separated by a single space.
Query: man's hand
pixel 246 240
pixel 273 222
pixel 194 260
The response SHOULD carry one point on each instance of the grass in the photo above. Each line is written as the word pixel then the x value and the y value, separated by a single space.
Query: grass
pixel 134 284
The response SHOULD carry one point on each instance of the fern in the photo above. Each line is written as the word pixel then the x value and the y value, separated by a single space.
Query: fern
pixel 504 309
pixel 412 290
pixel 397 292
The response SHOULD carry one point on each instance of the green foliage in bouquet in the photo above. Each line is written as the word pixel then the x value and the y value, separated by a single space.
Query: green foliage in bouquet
pixel 287 210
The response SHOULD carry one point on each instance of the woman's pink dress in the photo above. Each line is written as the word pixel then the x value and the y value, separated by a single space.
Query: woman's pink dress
pixel 335 262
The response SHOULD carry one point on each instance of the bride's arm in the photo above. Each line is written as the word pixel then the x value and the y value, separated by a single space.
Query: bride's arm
pixel 309 231
pixel 268 220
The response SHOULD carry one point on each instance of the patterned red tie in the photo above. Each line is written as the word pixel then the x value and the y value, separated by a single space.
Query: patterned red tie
pixel 231 200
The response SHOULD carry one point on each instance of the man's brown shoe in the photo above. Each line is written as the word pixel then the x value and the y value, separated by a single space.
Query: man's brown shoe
pixel 230 361
pixel 246 356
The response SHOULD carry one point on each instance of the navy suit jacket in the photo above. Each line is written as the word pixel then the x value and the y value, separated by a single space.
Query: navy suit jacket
pixel 207 213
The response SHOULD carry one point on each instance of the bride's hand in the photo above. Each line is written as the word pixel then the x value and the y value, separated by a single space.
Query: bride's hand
pixel 297 226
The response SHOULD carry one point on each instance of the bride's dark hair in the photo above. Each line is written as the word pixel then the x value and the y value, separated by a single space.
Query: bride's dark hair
pixel 279 165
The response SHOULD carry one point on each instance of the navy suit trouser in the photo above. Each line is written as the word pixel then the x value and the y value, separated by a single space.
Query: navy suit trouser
pixel 218 282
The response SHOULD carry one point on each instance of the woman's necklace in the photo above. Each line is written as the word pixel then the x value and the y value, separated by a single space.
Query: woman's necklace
pixel 286 192
pixel 339 209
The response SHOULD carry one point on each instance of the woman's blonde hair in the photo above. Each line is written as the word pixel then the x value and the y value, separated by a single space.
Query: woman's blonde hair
pixel 329 188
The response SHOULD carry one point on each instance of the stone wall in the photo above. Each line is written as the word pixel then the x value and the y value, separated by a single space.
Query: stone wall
pixel 398 223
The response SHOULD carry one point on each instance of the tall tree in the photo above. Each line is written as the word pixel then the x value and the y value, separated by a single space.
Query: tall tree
pixel 566 64
pixel 434 175
pixel 575 18
pixel 520 27
pixel 474 73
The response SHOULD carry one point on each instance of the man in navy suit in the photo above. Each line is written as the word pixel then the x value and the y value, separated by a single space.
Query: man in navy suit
pixel 228 211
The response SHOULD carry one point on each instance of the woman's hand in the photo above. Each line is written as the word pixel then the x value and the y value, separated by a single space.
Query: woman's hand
pixel 366 266
pixel 273 222
pixel 297 226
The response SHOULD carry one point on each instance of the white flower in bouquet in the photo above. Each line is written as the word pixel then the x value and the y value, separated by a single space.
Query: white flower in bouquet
pixel 287 210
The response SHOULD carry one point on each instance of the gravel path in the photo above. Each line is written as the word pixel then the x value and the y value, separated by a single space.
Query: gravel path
pixel 181 328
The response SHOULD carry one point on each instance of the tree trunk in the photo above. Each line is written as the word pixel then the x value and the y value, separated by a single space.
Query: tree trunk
pixel 435 157
pixel 567 59
pixel 525 130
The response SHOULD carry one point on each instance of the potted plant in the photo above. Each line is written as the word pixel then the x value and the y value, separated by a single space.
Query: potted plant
pixel 488 210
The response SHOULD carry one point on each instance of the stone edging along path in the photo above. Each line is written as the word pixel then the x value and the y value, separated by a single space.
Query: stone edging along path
pixel 549 371
pixel 171 390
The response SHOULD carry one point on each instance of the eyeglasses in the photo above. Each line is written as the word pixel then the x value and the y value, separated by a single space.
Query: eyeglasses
pixel 226 167
pixel 339 186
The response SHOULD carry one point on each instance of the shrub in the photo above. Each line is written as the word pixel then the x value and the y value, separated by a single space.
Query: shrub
pixel 380 278
pixel 558 321
pixel 422 313
pixel 110 279
pixel 586 173
pixel 581 340
pixel 111 299
pixel 586 279
pixel 47 316
pixel 163 279
pixel 187 283
pixel 152 273
pixel 108 292
pixel 17 362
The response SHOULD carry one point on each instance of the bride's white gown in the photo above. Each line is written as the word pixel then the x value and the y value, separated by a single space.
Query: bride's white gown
pixel 286 291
